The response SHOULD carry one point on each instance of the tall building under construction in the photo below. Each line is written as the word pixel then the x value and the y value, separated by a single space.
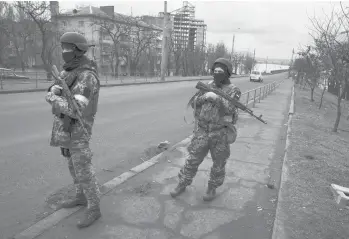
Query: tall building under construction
pixel 188 32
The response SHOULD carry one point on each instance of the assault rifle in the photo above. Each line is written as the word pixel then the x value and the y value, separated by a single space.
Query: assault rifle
pixel 206 88
pixel 70 98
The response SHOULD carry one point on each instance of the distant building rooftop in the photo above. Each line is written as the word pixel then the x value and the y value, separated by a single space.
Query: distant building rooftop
pixel 98 12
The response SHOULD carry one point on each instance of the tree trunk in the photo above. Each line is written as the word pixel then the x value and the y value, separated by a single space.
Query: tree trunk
pixel 169 64
pixel 112 68
pixel 116 66
pixel 339 113
pixel 322 96
pixel 312 94
pixel 298 77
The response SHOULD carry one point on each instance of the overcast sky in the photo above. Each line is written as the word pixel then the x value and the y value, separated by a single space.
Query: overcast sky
pixel 272 28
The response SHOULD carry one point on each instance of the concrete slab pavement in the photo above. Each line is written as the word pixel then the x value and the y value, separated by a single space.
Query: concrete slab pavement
pixel 245 207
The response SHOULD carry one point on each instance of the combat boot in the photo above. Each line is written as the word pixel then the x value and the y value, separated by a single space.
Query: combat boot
pixel 92 214
pixel 210 194
pixel 79 200
pixel 178 190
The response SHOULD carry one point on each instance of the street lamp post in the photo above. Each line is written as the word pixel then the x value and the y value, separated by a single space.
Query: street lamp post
pixel 232 48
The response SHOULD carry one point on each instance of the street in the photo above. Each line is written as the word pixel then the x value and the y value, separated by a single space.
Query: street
pixel 129 120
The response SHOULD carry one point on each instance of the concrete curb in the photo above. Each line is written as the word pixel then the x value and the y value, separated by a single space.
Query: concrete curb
pixel 278 228
pixel 51 220
pixel 111 85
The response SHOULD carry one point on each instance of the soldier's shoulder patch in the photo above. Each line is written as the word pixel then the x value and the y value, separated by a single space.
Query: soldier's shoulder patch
pixel 233 90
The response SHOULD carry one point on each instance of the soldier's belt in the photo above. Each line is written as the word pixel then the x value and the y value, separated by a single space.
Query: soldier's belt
pixel 213 126
pixel 61 116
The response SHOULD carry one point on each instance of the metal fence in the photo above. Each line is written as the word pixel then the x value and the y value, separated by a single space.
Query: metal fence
pixel 259 93
pixel 38 80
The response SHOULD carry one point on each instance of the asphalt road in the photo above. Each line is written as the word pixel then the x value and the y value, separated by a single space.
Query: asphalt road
pixel 129 120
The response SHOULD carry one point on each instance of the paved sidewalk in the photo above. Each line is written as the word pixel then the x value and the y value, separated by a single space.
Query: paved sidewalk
pixel 141 208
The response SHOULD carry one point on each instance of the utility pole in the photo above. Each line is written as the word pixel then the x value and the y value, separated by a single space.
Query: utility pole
pixel 233 61
pixel 254 58
pixel 232 48
pixel 266 65
pixel 164 56
pixel 291 66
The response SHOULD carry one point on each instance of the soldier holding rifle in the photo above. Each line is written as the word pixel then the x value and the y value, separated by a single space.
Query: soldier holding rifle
pixel 74 100
pixel 214 131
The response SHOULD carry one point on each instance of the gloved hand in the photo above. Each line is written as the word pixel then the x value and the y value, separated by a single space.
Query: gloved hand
pixel 57 90
pixel 210 96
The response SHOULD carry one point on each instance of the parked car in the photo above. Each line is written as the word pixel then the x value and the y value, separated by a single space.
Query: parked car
pixel 256 76
pixel 7 74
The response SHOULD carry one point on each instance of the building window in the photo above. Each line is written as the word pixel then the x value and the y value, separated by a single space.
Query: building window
pixel 81 23
pixel 123 37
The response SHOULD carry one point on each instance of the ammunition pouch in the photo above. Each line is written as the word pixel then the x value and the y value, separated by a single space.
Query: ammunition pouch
pixel 65 152
pixel 231 133
pixel 67 122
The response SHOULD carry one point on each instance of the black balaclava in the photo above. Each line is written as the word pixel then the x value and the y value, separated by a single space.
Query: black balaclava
pixel 221 79
pixel 73 58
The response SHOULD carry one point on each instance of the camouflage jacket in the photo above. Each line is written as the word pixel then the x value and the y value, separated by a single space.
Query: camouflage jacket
pixel 218 112
pixel 83 81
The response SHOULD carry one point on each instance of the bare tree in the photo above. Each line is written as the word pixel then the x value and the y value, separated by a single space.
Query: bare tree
pixel 237 59
pixel 143 38
pixel 325 76
pixel 312 70
pixel 118 31
pixel 40 13
pixel 221 51
pixel 249 62
pixel 197 60
pixel 186 55
pixel 210 54
pixel 175 53
pixel 20 31
pixel 216 51
pixel 325 36
pixel 171 52
pixel 4 39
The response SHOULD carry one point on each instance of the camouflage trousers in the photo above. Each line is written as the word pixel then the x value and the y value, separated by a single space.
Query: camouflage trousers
pixel 201 143
pixel 82 172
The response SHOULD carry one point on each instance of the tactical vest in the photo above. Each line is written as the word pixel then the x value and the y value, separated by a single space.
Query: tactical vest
pixel 71 80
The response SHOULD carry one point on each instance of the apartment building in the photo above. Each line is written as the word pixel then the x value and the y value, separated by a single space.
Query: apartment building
pixel 94 23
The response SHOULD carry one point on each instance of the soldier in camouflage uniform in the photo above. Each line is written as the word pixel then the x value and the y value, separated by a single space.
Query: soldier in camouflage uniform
pixel 214 131
pixel 81 76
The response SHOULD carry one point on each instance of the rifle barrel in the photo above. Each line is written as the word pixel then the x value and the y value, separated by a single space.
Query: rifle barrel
pixel 202 86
